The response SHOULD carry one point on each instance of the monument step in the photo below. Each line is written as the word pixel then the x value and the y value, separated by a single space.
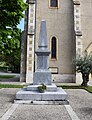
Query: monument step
pixel 47 102
pixel 50 88
pixel 59 95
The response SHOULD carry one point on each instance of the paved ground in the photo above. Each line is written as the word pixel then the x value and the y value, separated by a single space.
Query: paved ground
pixel 7 97
pixel 80 107
pixel 80 102
pixel 40 112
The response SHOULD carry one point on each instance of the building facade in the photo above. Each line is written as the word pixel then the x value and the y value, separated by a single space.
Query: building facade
pixel 69 29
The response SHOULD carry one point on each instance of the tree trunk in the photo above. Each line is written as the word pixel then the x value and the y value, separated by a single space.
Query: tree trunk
pixel 85 78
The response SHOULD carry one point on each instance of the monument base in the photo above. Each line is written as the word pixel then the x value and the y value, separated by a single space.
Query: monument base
pixel 59 95
pixel 49 102
pixel 42 76
pixel 49 88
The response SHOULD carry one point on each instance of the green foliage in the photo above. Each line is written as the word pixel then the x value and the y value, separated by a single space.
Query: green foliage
pixel 89 89
pixel 4 69
pixel 42 88
pixel 84 63
pixel 3 64
pixel 10 41
pixel 84 66
pixel 10 86
pixel 6 76
pixel 11 12
pixel 10 48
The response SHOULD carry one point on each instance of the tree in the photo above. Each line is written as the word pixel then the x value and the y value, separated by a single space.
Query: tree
pixel 10 49
pixel 84 66
pixel 11 12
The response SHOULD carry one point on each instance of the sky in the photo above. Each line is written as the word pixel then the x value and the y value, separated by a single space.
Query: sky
pixel 21 25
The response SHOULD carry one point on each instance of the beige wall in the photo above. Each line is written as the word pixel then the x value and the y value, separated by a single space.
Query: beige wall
pixel 60 23
pixel 86 20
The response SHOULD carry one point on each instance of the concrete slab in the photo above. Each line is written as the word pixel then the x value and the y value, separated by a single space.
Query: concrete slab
pixel 71 112
pixel 28 95
pixel 81 102
pixel 40 112
pixel 9 112
pixel 60 94
pixel 7 97
pixel 51 87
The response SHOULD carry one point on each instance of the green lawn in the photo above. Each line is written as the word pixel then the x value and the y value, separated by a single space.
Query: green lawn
pixel 88 88
pixel 6 76
pixel 11 86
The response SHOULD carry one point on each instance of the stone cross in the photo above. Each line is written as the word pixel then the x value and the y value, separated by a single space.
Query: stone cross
pixel 42 74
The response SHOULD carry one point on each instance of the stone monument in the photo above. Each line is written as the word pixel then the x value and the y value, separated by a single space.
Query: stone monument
pixel 41 76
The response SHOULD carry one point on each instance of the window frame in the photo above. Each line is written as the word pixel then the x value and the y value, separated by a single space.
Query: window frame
pixel 52 58
pixel 53 6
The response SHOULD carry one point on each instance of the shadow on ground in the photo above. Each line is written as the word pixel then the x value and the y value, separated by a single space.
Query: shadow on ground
pixel 15 79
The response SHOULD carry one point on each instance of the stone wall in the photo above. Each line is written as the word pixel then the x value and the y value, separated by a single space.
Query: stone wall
pixel 69 16
pixel 86 22
pixel 60 23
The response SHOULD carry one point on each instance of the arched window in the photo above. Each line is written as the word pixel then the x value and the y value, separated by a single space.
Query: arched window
pixel 53 3
pixel 53 48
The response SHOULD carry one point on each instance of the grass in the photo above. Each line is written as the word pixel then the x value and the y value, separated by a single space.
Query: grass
pixel 88 88
pixel 6 76
pixel 11 86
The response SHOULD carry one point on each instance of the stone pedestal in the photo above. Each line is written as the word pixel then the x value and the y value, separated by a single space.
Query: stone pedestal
pixel 49 88
pixel 58 95
pixel 42 75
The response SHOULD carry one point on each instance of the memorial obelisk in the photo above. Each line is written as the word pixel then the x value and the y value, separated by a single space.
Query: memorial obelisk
pixel 42 75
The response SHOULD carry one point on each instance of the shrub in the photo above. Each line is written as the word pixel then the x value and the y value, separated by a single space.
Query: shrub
pixel 84 66
pixel 41 88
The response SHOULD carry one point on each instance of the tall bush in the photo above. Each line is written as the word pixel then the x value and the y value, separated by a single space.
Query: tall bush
pixel 84 66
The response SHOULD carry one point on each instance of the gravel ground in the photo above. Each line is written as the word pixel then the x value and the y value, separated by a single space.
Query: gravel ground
pixel 7 97
pixel 40 112
pixel 81 102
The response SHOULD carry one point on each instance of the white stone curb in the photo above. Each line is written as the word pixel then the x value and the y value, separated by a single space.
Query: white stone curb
pixel 1 89
pixel 9 112
pixel 71 112
pixel 23 83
